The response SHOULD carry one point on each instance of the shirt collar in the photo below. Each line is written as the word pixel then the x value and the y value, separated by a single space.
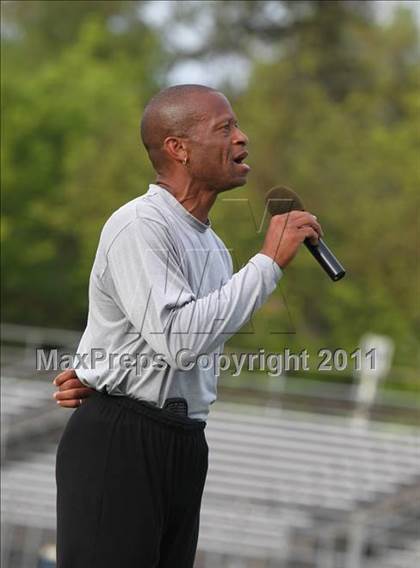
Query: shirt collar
pixel 178 208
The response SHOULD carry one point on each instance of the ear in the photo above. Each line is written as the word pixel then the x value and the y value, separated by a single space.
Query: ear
pixel 176 148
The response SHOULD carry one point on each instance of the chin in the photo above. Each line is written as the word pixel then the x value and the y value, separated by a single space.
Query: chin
pixel 232 184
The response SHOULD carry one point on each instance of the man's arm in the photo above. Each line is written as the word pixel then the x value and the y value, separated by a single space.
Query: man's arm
pixel 158 301
pixel 151 289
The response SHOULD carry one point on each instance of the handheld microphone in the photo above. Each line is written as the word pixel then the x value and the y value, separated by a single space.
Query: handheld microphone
pixel 282 200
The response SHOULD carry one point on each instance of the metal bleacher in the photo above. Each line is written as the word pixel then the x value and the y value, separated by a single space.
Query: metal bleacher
pixel 316 476
pixel 27 412
pixel 286 487
pixel 29 419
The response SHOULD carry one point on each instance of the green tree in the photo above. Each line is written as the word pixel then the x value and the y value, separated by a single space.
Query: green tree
pixel 354 160
pixel 254 29
pixel 72 155
pixel 331 108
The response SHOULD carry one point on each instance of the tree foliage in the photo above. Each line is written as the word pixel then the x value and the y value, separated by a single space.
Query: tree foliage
pixel 72 155
pixel 350 148
pixel 331 109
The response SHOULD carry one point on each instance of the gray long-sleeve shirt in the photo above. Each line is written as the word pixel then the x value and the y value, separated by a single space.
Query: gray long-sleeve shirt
pixel 162 293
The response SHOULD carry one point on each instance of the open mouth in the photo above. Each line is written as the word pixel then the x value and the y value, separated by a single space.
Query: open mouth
pixel 239 160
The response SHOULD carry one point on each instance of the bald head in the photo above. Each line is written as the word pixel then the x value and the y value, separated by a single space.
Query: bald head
pixel 172 112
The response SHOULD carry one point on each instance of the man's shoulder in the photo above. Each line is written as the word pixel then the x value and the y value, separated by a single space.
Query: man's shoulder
pixel 145 205
pixel 140 211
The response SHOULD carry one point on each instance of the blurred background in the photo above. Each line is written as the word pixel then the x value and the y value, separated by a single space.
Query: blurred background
pixel 314 469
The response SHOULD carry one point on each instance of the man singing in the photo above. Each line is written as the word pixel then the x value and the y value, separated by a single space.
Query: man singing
pixel 132 461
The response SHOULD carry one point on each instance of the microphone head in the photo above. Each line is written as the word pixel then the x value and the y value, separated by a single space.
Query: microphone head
pixel 281 199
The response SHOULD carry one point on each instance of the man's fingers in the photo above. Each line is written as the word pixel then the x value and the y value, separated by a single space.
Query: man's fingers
pixel 64 376
pixel 73 394
pixel 69 403
pixel 302 218
pixel 71 384
pixel 71 390
pixel 310 234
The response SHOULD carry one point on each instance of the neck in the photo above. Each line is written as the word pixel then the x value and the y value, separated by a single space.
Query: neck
pixel 196 199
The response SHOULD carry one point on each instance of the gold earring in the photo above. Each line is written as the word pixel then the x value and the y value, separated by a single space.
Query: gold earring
pixel 184 161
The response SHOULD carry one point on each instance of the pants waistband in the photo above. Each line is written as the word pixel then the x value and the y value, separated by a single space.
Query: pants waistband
pixel 151 411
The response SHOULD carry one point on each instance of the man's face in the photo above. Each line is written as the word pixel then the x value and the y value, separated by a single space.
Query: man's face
pixel 217 147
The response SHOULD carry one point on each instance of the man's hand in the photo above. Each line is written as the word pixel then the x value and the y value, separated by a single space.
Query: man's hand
pixel 71 391
pixel 286 233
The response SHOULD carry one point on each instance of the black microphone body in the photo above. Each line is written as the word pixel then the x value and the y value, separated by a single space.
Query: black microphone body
pixel 282 200
pixel 326 259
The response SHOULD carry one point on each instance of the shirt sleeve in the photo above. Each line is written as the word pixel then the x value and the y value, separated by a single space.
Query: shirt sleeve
pixel 157 299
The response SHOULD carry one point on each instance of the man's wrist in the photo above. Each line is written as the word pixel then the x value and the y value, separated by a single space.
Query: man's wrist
pixel 265 253
pixel 266 261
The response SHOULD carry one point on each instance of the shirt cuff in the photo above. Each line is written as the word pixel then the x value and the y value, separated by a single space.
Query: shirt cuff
pixel 267 265
pixel 82 378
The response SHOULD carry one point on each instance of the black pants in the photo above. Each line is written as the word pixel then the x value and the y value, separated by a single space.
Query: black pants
pixel 129 483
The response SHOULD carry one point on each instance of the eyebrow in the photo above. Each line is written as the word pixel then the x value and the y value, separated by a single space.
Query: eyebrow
pixel 228 118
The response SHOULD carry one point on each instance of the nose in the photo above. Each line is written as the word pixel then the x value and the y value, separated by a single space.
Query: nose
pixel 240 137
